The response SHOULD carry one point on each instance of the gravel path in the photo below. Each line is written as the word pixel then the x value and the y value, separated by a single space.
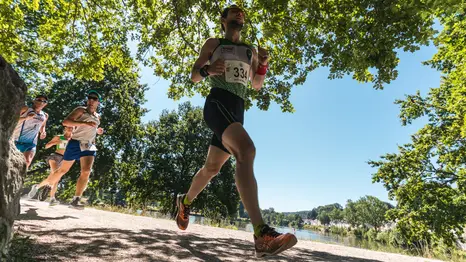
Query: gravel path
pixel 64 234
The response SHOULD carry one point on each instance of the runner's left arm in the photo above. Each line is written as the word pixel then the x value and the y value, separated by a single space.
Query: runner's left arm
pixel 260 60
pixel 43 134
pixel 100 130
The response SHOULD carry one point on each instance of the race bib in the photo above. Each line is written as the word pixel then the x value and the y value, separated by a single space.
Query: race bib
pixel 237 72
pixel 62 144
pixel 85 146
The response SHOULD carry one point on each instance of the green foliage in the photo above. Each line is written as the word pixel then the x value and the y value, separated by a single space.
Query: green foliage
pixel 324 218
pixel 302 214
pixel 176 147
pixel 84 44
pixel 282 219
pixel 314 227
pixel 242 213
pixel 383 237
pixel 349 37
pixel 312 214
pixel 58 38
pixel 427 177
pixel 328 208
pixel 328 213
pixel 367 211
pixel 137 164
pixel 370 234
pixel 336 215
pixel 351 214
pixel 44 38
pixel 121 112
pixel 342 231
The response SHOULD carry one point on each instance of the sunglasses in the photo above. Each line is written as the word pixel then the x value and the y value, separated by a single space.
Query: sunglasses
pixel 42 101
pixel 93 98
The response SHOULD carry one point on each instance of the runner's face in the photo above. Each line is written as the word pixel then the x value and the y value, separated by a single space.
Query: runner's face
pixel 236 15
pixel 93 101
pixel 68 131
pixel 40 103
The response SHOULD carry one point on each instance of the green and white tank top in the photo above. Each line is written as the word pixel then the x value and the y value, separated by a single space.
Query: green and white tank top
pixel 63 143
pixel 238 61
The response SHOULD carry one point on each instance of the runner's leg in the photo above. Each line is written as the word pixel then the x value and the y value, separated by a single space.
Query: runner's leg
pixel 53 178
pixel 237 140
pixel 28 156
pixel 214 162
pixel 53 167
pixel 86 166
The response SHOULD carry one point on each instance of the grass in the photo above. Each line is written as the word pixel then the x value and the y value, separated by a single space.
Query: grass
pixel 376 245
pixel 116 209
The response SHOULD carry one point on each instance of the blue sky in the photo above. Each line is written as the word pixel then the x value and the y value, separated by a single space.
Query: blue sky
pixel 318 155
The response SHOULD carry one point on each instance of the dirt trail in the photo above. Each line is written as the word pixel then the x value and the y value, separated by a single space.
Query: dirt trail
pixel 64 234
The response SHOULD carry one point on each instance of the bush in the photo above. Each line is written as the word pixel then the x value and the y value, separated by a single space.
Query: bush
pixel 314 227
pixel 383 237
pixel 359 233
pixel 233 227
pixel 396 238
pixel 338 230
pixel 371 235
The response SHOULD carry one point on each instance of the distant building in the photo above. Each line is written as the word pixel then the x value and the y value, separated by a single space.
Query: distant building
pixel 340 224
pixel 311 222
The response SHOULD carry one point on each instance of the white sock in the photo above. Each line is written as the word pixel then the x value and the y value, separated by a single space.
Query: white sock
pixel 76 197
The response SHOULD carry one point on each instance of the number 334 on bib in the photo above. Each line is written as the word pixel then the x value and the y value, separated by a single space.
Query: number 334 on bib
pixel 237 72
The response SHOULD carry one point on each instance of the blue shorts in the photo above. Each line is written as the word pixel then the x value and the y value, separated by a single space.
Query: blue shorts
pixel 73 151
pixel 25 147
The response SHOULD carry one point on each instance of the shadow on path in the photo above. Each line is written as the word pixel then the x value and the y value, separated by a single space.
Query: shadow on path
pixel 31 214
pixel 152 245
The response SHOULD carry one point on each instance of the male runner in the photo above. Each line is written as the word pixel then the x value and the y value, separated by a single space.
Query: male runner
pixel 85 121
pixel 54 160
pixel 228 63
pixel 32 121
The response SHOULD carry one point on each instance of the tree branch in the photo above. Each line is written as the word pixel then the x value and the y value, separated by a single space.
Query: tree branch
pixel 179 28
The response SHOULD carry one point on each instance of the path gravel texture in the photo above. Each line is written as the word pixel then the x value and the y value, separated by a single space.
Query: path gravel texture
pixel 64 234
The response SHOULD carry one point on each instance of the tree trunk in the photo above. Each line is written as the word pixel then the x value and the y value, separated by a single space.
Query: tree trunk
pixel 12 163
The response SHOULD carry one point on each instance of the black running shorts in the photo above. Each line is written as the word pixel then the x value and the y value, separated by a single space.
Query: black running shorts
pixel 221 109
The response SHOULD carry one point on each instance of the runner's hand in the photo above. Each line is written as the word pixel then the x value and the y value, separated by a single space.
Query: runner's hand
pixel 100 131
pixel 262 56
pixel 217 68
pixel 43 135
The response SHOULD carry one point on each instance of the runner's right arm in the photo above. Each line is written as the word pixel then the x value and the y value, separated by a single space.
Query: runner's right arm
pixel 70 120
pixel 29 116
pixel 204 56
pixel 55 140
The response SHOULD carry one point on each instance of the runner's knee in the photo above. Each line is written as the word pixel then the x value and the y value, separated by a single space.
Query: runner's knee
pixel 85 173
pixel 245 152
pixel 211 169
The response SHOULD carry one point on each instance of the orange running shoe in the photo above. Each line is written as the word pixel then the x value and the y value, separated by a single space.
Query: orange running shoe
pixel 271 242
pixel 182 217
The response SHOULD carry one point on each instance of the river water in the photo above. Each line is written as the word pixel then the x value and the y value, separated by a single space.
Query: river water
pixel 304 234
